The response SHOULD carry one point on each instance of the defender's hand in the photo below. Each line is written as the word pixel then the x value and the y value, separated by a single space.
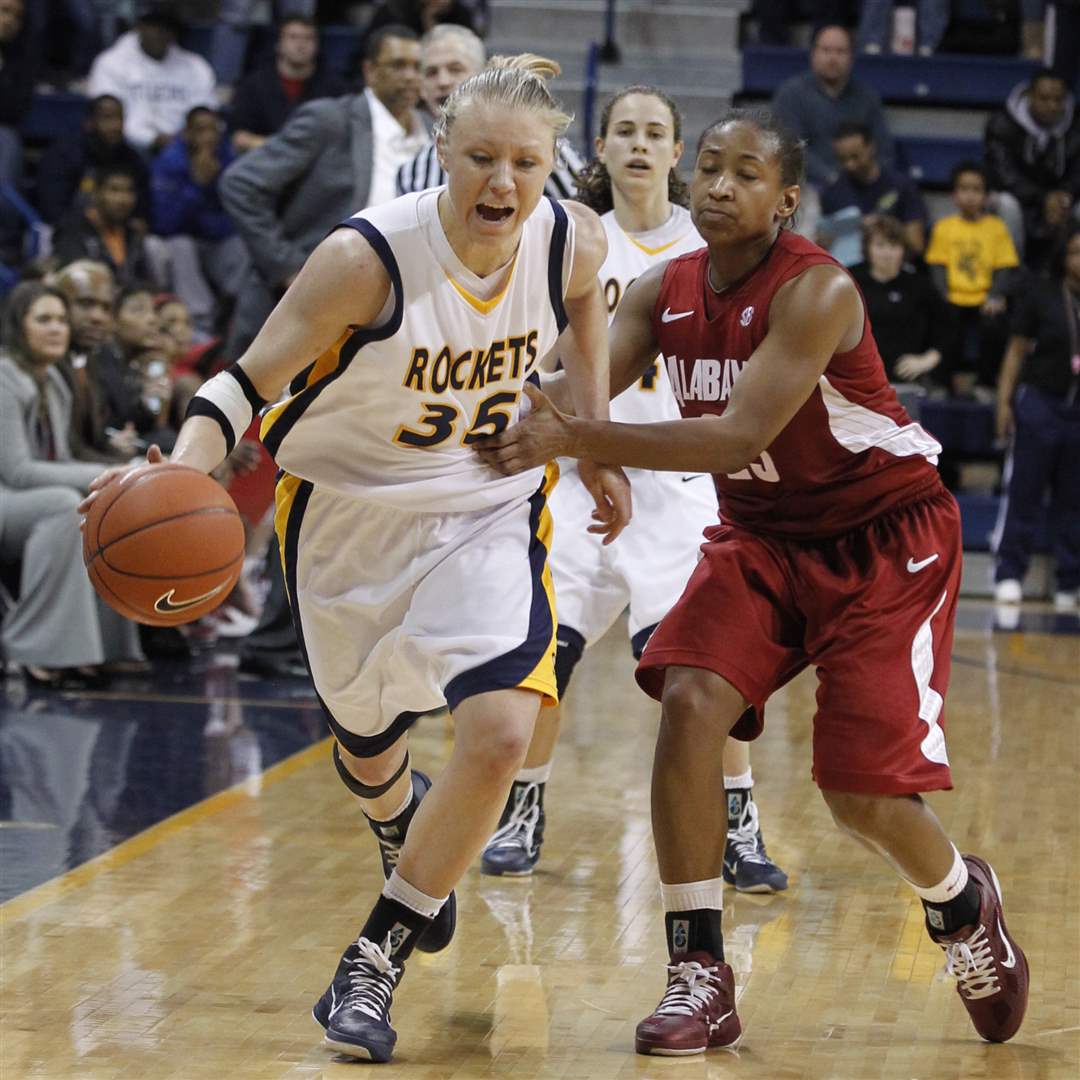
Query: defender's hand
pixel 610 489
pixel 536 439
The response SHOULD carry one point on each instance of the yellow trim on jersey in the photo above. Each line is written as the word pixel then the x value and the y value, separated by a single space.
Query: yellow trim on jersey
pixel 484 306
pixel 326 365
pixel 284 496
pixel 656 250
pixel 542 677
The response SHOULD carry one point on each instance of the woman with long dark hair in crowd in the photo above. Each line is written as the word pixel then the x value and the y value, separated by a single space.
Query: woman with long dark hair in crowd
pixel 57 630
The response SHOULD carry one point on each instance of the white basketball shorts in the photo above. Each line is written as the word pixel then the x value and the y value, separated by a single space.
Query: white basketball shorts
pixel 645 569
pixel 399 612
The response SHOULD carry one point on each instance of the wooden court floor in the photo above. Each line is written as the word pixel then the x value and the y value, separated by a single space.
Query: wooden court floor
pixel 195 949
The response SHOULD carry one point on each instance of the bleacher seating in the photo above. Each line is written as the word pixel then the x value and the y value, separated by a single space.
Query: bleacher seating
pixel 925 80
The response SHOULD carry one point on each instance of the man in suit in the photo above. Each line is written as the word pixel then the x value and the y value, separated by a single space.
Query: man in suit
pixel 335 156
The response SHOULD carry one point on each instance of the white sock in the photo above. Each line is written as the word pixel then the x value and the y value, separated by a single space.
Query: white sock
pixel 397 888
pixel 693 895
pixel 743 780
pixel 538 774
pixel 400 810
pixel 951 886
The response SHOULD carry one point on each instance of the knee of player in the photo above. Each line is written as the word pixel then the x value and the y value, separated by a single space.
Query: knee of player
pixel 687 704
pixel 868 816
pixel 499 751
pixel 368 772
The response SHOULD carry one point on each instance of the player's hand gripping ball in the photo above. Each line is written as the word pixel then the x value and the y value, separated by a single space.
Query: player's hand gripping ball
pixel 163 544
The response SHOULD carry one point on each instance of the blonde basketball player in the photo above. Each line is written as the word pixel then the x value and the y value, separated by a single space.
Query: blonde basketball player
pixel 633 183
pixel 417 575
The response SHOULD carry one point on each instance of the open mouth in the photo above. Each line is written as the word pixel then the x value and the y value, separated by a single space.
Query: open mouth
pixel 494 213
pixel 637 165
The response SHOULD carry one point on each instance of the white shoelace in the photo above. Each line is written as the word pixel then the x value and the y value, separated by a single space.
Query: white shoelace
pixel 689 992
pixel 372 980
pixel 521 824
pixel 971 963
pixel 745 838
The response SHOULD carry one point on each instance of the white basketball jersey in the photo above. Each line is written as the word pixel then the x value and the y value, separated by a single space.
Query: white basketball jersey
pixel 391 412
pixel 629 255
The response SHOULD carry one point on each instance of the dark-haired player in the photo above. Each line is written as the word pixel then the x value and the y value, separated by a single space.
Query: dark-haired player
pixel 839 548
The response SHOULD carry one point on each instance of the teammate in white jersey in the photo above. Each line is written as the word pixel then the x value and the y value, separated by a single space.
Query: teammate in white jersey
pixel 634 184
pixel 417 575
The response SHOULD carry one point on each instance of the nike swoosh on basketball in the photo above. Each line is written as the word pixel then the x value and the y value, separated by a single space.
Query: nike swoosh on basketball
pixel 165 605
pixel 669 316
pixel 1010 960
pixel 914 567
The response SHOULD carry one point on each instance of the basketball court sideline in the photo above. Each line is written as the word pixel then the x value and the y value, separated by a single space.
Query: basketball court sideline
pixel 198 869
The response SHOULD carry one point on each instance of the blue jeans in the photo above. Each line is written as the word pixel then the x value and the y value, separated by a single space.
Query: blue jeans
pixel 228 44
pixel 875 22
pixel 1044 454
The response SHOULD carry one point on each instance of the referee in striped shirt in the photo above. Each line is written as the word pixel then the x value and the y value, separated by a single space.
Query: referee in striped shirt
pixel 449 55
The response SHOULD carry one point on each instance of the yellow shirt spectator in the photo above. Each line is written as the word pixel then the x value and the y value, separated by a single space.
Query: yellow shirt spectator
pixel 970 251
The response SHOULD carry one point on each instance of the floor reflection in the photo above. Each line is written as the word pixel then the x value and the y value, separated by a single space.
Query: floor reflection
pixel 80 773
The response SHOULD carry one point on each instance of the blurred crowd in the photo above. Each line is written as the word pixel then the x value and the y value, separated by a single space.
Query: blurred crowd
pixel 140 254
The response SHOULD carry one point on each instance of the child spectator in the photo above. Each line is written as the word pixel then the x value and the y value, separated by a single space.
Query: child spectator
pixel 68 163
pixel 106 230
pixel 157 81
pixel 207 258
pixel 906 312
pixel 267 97
pixel 971 257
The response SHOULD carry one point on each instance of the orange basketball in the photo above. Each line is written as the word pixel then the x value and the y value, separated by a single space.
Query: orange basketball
pixel 164 545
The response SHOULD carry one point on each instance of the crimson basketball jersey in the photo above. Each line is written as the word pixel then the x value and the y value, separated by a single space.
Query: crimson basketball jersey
pixel 850 453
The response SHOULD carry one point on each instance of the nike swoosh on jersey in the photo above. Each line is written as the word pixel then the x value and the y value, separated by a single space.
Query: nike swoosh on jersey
pixel 1010 956
pixel 696 476
pixel 914 567
pixel 165 605
pixel 669 316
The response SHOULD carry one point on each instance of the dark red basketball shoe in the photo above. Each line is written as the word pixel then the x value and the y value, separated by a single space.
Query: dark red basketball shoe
pixel 697 1010
pixel 990 969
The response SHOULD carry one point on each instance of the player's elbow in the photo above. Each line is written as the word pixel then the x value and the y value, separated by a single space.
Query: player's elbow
pixel 735 449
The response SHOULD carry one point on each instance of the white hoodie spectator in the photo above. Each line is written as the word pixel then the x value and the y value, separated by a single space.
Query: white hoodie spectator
pixel 157 92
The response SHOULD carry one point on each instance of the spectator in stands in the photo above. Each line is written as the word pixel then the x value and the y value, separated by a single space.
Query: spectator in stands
pixel 229 43
pixel 334 157
pixel 268 97
pixel 875 25
pixel 89 290
pixel 207 259
pixel 420 16
pixel 58 632
pixel 448 56
pixel 106 230
pixel 133 370
pixel 775 18
pixel 157 81
pixel 863 185
pixel 19 66
pixel 971 258
pixel 816 103
pixel 907 313
pixel 1038 409
pixel 1033 162
pixel 68 162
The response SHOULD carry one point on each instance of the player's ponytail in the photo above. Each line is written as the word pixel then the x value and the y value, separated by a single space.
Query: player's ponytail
pixel 518 82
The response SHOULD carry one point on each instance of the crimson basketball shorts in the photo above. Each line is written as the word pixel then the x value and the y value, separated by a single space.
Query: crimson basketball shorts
pixel 871 610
